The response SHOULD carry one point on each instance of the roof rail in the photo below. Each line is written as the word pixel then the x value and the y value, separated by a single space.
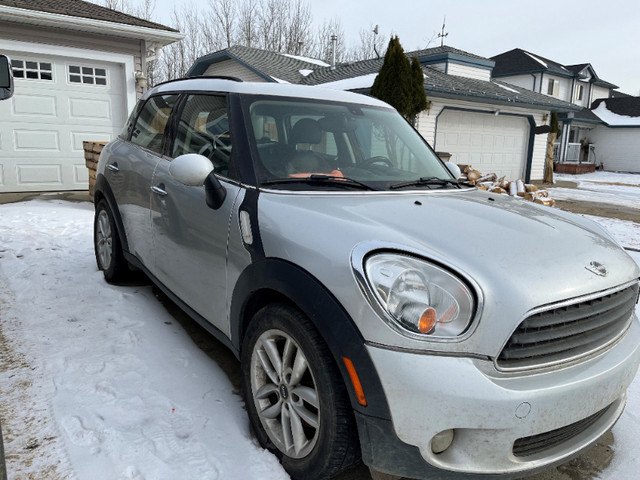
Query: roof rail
pixel 214 77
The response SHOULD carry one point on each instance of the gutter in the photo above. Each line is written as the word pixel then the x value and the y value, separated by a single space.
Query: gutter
pixel 56 20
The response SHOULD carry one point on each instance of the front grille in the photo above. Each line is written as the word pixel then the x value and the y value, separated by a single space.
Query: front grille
pixel 568 332
pixel 526 446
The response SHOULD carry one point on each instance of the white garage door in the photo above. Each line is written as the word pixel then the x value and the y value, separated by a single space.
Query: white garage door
pixel 58 103
pixel 489 143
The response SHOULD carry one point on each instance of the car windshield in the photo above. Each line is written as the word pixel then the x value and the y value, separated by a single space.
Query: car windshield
pixel 306 144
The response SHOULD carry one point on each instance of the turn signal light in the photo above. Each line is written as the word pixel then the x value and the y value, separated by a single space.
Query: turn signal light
pixel 355 380
pixel 427 320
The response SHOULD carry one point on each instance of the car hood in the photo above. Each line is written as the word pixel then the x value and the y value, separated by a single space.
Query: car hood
pixel 517 255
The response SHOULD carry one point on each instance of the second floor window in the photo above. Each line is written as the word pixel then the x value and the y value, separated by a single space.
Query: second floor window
pixel 579 92
pixel 553 87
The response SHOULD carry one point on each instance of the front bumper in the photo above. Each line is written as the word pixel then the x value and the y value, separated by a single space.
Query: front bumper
pixel 489 411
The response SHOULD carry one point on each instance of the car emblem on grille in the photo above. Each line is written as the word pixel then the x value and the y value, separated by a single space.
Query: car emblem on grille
pixel 597 268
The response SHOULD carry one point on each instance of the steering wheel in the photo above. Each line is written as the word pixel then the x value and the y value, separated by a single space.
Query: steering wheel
pixel 378 159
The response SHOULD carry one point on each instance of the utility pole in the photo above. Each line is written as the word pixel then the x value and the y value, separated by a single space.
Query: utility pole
pixel 442 35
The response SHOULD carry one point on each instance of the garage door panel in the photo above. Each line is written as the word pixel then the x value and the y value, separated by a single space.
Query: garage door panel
pixel 43 126
pixel 35 106
pixel 496 143
pixel 32 175
pixel 36 140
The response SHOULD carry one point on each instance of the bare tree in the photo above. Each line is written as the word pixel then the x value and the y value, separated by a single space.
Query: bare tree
pixel 248 23
pixel 322 47
pixel 371 44
pixel 223 14
pixel 298 32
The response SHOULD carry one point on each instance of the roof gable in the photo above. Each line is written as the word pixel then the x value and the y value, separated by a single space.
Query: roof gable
pixel 518 61
pixel 82 9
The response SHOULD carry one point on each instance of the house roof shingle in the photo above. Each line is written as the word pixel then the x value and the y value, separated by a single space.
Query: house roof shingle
pixel 518 61
pixel 82 9
pixel 442 84
pixel 265 63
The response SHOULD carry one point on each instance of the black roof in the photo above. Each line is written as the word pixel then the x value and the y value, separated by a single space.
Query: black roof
pixel 445 85
pixel 629 106
pixel 520 61
pixel 79 8
pixel 277 66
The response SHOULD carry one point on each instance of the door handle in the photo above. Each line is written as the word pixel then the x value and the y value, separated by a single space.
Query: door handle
pixel 113 167
pixel 159 191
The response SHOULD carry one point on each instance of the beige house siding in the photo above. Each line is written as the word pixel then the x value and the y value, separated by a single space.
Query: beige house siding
pixel 231 68
pixel 76 39
pixel 427 127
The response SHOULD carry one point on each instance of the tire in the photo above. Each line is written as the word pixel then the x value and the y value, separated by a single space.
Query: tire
pixel 107 246
pixel 290 377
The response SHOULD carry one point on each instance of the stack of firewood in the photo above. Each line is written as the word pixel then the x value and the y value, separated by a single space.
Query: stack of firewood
pixel 91 155
pixel 515 188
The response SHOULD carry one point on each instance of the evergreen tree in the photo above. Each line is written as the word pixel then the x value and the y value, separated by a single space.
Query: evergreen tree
pixel 393 83
pixel 400 82
pixel 419 98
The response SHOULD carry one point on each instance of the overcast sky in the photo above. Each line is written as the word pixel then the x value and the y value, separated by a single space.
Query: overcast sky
pixel 605 34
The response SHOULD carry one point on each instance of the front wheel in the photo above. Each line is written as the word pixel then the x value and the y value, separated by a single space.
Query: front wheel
pixel 297 402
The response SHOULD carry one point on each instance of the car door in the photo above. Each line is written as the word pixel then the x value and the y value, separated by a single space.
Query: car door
pixel 190 238
pixel 130 170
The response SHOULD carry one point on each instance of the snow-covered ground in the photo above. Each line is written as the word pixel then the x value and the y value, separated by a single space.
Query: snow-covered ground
pixel 605 187
pixel 99 382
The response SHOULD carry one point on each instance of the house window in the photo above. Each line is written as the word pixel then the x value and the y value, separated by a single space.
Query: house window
pixel 31 70
pixel 87 75
pixel 553 87
pixel 579 92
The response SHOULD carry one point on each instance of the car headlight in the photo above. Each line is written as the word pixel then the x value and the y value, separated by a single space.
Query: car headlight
pixel 420 297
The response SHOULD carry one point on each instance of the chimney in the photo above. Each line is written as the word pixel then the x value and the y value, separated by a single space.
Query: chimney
pixel 334 44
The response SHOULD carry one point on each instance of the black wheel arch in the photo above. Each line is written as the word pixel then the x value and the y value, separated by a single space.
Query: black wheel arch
pixel 102 190
pixel 271 280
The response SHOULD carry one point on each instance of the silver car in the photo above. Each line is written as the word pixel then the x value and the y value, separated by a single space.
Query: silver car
pixel 381 310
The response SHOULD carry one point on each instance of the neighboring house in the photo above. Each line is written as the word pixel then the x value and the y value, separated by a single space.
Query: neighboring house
pixel 576 148
pixel 486 123
pixel 78 72
pixel 618 137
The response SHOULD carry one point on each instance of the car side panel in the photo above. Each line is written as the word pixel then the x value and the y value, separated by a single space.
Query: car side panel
pixel 128 171
pixel 190 241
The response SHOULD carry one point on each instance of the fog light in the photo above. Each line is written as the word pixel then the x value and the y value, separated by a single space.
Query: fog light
pixel 441 441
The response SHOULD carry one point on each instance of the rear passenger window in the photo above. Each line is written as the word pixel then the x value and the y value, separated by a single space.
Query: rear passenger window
pixel 150 125
pixel 204 129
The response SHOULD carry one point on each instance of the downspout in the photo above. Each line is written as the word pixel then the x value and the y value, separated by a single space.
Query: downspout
pixel 534 82
pixel 573 93
pixel 541 75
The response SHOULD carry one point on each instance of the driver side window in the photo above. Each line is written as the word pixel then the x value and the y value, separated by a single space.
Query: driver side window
pixel 204 128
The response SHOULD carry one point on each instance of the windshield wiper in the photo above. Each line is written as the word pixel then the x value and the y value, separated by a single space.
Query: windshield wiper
pixel 443 182
pixel 319 178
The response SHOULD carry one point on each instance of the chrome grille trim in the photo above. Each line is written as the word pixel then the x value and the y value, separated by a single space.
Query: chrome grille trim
pixel 569 330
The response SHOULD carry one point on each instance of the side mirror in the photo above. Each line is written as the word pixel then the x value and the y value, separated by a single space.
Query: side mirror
pixel 6 78
pixel 453 169
pixel 195 170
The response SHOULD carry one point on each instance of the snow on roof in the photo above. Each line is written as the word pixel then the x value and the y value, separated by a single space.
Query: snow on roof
pixel 315 61
pixel 363 81
pixel 507 88
pixel 304 72
pixel 615 119
pixel 538 60
pixel 279 80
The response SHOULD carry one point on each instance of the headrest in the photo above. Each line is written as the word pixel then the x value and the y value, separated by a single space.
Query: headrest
pixel 306 130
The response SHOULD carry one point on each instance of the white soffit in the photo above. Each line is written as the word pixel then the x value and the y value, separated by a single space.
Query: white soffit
pixel 34 17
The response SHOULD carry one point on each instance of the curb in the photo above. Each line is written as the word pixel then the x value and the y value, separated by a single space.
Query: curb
pixel 3 469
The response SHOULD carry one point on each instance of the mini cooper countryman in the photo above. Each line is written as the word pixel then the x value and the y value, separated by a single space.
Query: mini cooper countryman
pixel 369 296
